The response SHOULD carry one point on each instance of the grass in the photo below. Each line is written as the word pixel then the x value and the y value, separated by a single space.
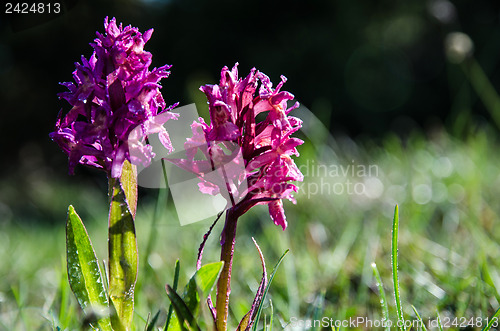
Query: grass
pixel 448 258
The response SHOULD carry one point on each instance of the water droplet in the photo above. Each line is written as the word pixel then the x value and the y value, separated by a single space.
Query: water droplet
pixel 135 106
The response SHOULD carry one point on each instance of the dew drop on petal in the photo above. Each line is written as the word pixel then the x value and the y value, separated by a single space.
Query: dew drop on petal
pixel 135 106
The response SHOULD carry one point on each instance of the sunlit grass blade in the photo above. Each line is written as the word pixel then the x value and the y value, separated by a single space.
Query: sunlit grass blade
pixel 16 291
pixel 493 321
pixel 271 317
pixel 84 275
pixel 182 311
pixel 383 298
pixel 259 310
pixel 394 261
pixel 421 322
pixel 176 282
pixel 440 325
pixel 249 318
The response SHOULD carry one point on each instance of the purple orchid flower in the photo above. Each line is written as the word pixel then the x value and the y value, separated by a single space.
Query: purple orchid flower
pixel 246 161
pixel 113 93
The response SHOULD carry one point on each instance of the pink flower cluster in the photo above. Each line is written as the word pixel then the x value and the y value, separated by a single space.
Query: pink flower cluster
pixel 246 160
pixel 113 93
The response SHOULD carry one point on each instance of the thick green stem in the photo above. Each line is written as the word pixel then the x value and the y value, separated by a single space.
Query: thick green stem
pixel 122 247
pixel 224 283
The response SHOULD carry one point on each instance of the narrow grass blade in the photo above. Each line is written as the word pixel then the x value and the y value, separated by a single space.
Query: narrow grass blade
pixel 493 321
pixel 122 249
pixel 249 318
pixel 383 298
pixel 420 321
pixel 150 326
pixel 198 287
pixel 440 325
pixel 318 308
pixel 182 311
pixel 84 275
pixel 270 328
pixel 259 310
pixel 394 261
pixel 176 282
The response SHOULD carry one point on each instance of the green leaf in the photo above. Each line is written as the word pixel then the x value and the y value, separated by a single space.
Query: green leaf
pixel 122 248
pixel 440 325
pixel 182 311
pixel 207 276
pixel 420 321
pixel 383 299
pixel 150 326
pixel 201 284
pixel 259 310
pixel 394 260
pixel 84 275
pixel 197 288
pixel 170 314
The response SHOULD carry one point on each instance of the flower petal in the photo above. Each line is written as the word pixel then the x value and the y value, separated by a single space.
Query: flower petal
pixel 277 213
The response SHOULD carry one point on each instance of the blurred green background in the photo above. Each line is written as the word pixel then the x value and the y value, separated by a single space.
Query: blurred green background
pixel 363 67
pixel 375 73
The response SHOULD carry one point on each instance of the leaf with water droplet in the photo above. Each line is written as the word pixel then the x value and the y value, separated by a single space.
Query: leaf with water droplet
pixel 122 245
pixel 84 274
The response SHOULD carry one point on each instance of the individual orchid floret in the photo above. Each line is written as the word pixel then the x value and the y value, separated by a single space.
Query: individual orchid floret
pixel 113 93
pixel 246 161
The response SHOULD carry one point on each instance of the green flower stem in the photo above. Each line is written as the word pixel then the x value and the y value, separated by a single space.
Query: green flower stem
pixel 224 283
pixel 122 247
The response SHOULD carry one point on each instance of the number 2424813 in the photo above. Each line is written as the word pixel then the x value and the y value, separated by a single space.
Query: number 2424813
pixel 34 8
